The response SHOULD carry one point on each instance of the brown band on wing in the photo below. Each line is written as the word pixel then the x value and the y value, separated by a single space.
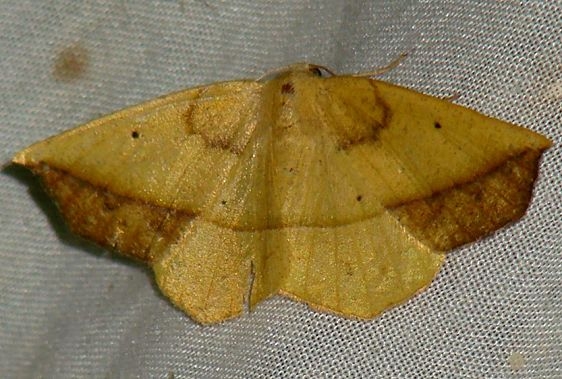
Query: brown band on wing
pixel 449 218
pixel 132 227
pixel 474 209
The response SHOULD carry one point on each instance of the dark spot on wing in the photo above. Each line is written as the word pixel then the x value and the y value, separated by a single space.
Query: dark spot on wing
pixel 135 134
pixel 437 125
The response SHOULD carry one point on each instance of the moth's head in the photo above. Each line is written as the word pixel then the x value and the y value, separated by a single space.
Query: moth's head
pixel 308 69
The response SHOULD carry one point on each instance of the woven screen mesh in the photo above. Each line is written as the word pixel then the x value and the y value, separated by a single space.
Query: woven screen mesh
pixel 69 309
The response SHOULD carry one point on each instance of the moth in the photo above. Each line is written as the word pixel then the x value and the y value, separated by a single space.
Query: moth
pixel 341 191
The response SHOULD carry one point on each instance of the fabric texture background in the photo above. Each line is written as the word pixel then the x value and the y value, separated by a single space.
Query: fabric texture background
pixel 69 309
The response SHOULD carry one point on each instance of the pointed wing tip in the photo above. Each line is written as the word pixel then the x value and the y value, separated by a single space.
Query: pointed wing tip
pixel 20 158
pixel 544 143
pixel 23 158
pixel 31 157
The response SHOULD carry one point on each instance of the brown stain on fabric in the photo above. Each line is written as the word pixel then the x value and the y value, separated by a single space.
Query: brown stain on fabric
pixel 71 63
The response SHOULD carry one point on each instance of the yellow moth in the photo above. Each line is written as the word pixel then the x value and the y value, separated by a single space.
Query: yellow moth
pixel 341 191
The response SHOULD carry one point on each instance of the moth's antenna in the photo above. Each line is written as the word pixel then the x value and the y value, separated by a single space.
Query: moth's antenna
pixel 385 69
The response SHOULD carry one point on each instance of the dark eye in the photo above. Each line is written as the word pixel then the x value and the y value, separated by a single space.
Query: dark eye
pixel 316 71
pixel 320 71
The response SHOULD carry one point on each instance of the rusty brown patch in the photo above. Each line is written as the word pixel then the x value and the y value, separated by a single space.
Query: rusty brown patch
pixel 111 202
pixel 217 141
pixel 476 208
pixel 287 88
pixel 386 110
pixel 383 118
pixel 132 227
pixel 187 117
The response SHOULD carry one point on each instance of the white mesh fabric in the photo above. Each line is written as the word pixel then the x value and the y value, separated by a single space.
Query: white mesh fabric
pixel 68 309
